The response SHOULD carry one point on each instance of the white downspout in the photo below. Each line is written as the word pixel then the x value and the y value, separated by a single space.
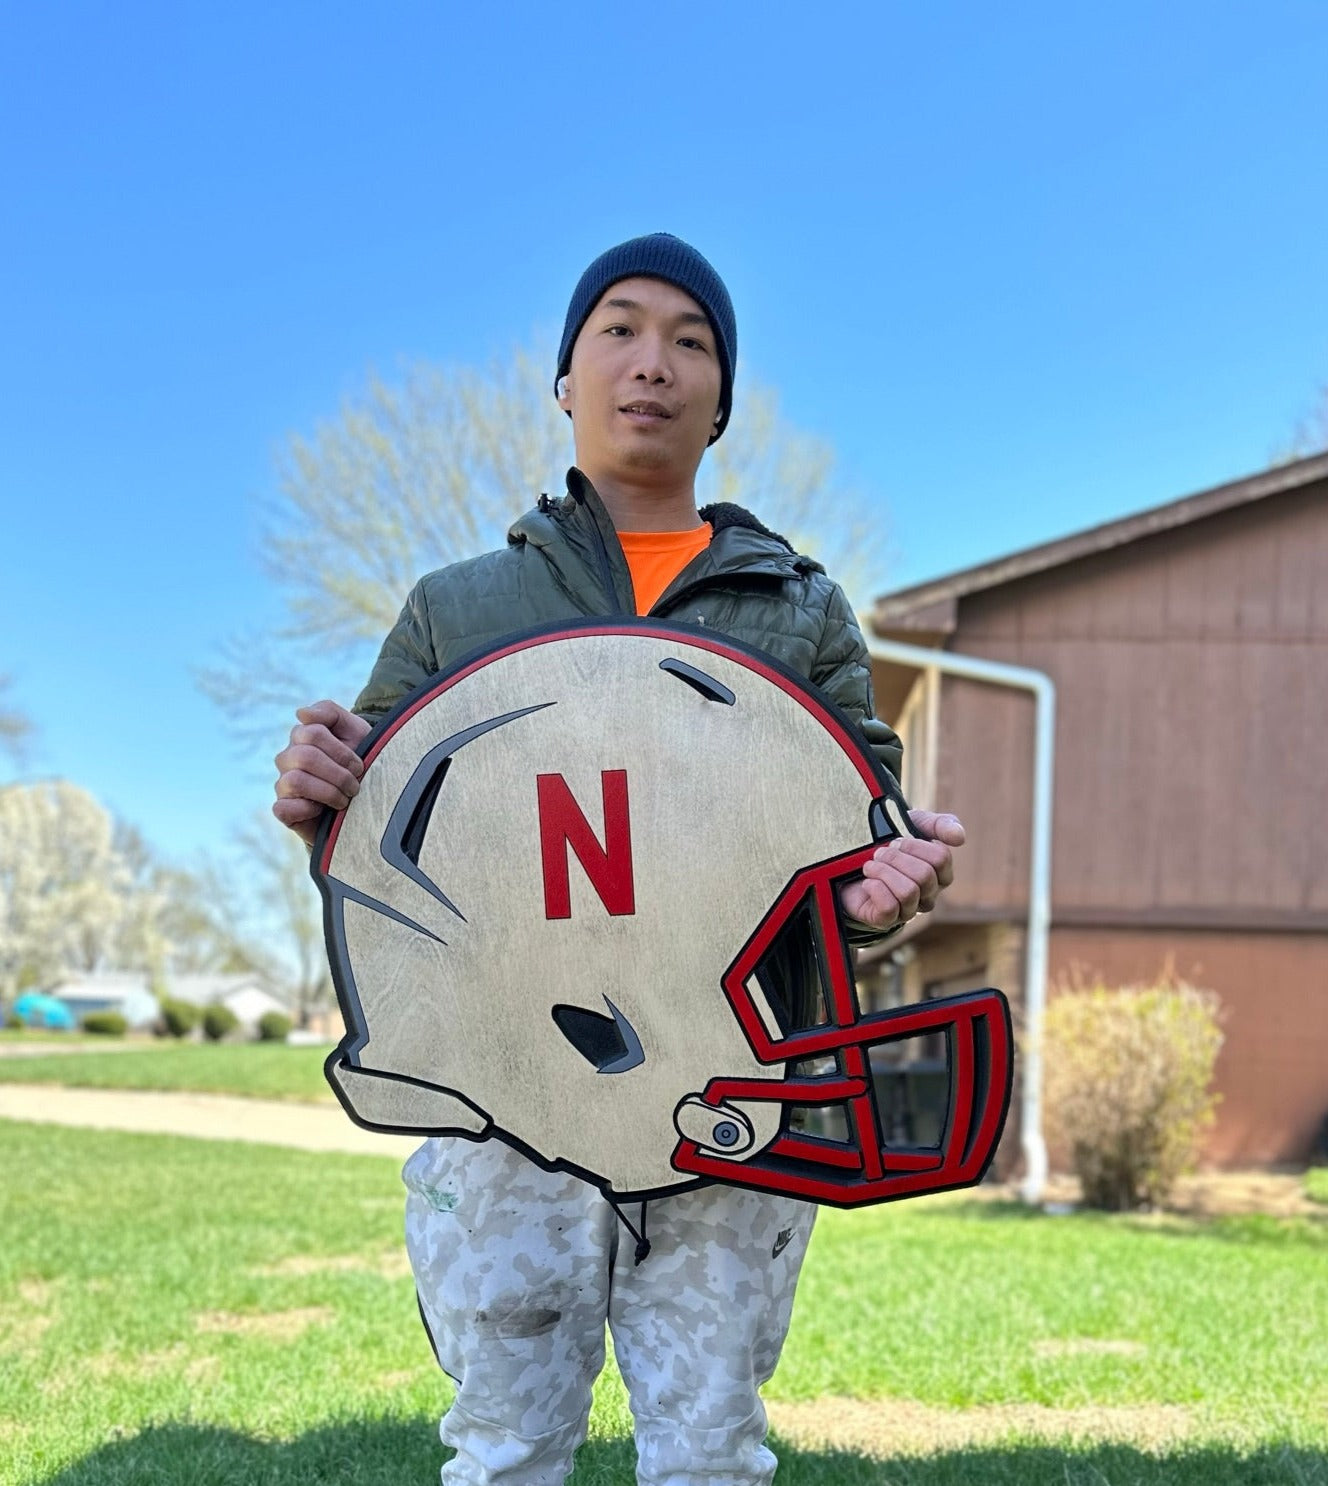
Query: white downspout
pixel 925 657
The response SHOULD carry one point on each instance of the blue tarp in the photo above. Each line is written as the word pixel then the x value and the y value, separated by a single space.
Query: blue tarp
pixel 35 1010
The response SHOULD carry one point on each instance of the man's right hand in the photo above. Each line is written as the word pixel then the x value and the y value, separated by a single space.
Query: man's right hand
pixel 319 767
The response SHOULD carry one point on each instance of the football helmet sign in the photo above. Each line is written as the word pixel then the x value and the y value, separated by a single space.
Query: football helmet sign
pixel 585 901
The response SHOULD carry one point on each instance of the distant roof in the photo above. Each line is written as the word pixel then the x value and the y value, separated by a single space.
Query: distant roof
pixel 99 984
pixel 901 606
pixel 202 990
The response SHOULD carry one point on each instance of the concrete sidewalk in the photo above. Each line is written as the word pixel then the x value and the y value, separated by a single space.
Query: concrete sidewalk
pixel 308 1127
pixel 27 1049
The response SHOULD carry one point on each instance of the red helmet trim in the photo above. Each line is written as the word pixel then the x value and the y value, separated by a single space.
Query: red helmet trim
pixel 854 749
pixel 866 1170
pixel 821 1170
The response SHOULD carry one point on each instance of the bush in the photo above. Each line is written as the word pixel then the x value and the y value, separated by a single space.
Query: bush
pixel 180 1017
pixel 11 1020
pixel 105 1023
pixel 274 1026
pixel 218 1022
pixel 1127 1086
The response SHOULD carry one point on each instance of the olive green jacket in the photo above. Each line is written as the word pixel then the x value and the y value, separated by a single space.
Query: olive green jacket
pixel 563 560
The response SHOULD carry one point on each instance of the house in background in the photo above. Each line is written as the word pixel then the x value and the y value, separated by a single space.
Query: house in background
pixel 246 995
pixel 128 992
pixel 325 1024
pixel 1188 646
pixel 109 990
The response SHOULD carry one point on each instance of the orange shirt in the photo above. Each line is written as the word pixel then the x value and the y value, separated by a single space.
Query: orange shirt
pixel 655 559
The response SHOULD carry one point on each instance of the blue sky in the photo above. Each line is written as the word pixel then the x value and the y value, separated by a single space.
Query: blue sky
pixel 1026 268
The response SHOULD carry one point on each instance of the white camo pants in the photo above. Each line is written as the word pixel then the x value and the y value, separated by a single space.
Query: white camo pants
pixel 518 1269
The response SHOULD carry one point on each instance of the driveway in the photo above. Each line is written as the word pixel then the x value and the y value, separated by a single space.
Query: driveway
pixel 323 1127
pixel 309 1127
pixel 27 1049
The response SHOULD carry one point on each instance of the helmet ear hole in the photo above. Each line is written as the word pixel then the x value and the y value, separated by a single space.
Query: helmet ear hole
pixel 595 1036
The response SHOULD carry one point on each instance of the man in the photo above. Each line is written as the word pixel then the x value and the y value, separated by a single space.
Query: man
pixel 519 1268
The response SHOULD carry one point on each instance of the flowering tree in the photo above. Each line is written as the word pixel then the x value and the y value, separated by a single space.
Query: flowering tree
pixel 80 892
pixel 63 886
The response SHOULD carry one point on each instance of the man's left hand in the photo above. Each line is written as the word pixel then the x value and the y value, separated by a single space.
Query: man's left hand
pixel 907 876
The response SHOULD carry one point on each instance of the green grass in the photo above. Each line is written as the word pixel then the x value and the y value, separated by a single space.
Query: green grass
pixel 1217 1314
pixel 1316 1183
pixel 256 1070
pixel 226 1315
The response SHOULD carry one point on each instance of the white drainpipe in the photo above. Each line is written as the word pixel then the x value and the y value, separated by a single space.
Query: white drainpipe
pixel 925 657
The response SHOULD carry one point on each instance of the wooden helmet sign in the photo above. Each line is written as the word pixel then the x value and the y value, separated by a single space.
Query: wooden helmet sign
pixel 585 902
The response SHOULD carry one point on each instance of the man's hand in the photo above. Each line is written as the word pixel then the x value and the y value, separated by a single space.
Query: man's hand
pixel 320 766
pixel 907 876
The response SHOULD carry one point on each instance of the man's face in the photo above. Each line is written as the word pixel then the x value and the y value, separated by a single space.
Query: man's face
pixel 644 382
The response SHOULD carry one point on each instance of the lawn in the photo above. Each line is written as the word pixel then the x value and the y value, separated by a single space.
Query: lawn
pixel 257 1070
pixel 226 1315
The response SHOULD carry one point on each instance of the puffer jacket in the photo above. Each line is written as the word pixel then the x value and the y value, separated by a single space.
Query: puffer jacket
pixel 563 560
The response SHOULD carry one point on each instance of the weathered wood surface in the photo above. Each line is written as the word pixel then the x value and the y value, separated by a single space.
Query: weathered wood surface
pixel 724 803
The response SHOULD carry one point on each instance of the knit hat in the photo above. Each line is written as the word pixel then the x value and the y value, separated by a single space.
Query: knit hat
pixel 658 256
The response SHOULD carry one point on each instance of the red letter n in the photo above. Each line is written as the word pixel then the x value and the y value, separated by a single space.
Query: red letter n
pixel 563 825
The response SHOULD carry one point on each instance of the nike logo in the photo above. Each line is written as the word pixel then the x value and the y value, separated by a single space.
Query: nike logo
pixel 781 1243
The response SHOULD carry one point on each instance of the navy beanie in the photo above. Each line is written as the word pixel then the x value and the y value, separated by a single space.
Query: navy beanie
pixel 658 256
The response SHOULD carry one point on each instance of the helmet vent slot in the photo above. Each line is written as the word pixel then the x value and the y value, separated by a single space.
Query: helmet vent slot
pixel 412 838
pixel 710 689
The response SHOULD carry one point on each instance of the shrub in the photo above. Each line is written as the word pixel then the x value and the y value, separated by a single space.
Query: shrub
pixel 12 1021
pixel 218 1022
pixel 274 1026
pixel 180 1017
pixel 1127 1086
pixel 105 1023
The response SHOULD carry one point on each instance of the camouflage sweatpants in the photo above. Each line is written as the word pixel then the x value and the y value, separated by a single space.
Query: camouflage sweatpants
pixel 518 1269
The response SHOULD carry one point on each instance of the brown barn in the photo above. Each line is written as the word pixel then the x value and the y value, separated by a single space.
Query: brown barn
pixel 1188 650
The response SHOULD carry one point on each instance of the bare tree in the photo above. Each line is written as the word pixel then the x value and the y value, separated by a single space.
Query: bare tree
pixel 1311 432
pixel 289 902
pixel 789 479
pixel 407 478
pixel 185 920
pixel 414 475
pixel 16 729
